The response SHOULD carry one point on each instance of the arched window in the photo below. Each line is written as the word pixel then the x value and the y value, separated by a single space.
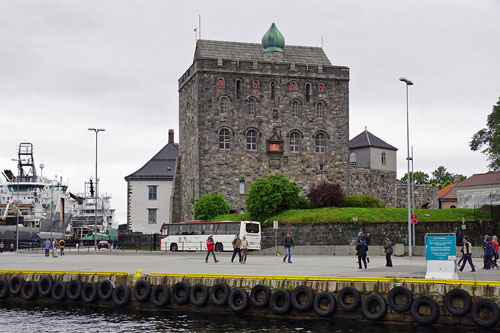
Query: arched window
pixel 295 109
pixel 320 143
pixel 294 142
pixel 252 140
pixel 224 105
pixel 383 158
pixel 255 84
pixel 273 89
pixel 321 87
pixel 251 107
pixel 220 82
pixel 352 158
pixel 224 139
pixel 293 86
pixel 308 92
pixel 320 110
pixel 238 88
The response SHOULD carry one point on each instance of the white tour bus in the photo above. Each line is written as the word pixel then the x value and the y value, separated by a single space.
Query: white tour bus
pixel 192 236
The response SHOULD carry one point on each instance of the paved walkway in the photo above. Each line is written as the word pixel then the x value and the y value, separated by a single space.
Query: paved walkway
pixel 185 263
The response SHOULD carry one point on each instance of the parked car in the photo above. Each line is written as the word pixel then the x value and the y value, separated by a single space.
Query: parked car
pixel 103 244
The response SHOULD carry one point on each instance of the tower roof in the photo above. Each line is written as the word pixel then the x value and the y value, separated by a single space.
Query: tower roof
pixel 161 166
pixel 273 40
pixel 366 139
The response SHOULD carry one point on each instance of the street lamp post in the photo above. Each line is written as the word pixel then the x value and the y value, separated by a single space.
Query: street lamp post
pixel 408 83
pixel 96 130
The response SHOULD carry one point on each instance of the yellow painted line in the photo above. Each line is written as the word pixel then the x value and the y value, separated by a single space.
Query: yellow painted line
pixel 63 272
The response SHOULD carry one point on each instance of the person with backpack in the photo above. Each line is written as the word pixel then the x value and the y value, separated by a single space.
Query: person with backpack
pixel 236 247
pixel 467 251
pixel 388 252
pixel 361 249
pixel 62 244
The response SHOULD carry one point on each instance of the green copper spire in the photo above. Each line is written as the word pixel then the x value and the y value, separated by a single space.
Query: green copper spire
pixel 273 40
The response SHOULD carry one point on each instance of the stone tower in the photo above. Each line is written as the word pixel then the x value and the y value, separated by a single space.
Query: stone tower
pixel 247 110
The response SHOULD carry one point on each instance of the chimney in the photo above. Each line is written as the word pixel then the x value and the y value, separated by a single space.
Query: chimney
pixel 170 135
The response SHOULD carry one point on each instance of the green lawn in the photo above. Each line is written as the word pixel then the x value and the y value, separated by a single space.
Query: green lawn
pixel 333 214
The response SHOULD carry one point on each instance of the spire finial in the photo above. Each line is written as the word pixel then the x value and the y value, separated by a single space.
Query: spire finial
pixel 273 40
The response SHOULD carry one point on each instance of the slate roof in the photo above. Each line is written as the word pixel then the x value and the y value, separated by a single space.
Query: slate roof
pixel 367 139
pixel 478 179
pixel 161 166
pixel 214 49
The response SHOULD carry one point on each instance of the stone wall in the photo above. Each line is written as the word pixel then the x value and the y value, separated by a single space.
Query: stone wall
pixel 206 168
pixel 176 198
pixel 377 183
pixel 423 194
pixel 346 233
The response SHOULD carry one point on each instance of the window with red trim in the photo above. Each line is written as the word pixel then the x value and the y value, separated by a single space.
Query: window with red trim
pixel 321 87
pixel 220 82
pixel 255 84
pixel 292 86
pixel 274 147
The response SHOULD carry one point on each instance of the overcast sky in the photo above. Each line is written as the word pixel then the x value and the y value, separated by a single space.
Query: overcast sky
pixel 69 65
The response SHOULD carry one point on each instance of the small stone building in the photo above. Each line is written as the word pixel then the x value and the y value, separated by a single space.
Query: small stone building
pixel 479 190
pixel 150 190
pixel 250 109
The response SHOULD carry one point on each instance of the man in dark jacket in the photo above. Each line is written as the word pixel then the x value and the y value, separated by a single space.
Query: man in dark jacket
pixel 467 254
pixel 361 249
pixel 388 252
pixel 288 244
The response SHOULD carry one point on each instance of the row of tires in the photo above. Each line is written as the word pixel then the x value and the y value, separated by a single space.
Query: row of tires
pixel 302 298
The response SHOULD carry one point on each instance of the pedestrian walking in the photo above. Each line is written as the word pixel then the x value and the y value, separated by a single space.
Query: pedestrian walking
pixel 11 247
pixel 489 253
pixel 467 251
pixel 210 248
pixel 388 252
pixel 1 246
pixel 46 246
pixel 288 244
pixel 236 247
pixel 361 249
pixel 62 244
pixel 367 242
pixel 485 259
pixel 462 251
pixel 494 242
pixel 54 245
pixel 244 249
pixel 360 236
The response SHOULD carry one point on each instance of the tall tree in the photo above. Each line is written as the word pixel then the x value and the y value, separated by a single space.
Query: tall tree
pixel 441 176
pixel 419 177
pixel 489 138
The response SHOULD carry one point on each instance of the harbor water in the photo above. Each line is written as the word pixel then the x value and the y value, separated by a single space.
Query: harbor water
pixel 34 318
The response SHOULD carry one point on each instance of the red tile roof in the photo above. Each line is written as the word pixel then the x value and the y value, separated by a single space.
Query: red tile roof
pixel 490 178
pixel 447 189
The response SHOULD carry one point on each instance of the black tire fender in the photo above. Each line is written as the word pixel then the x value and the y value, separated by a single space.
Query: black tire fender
pixel 45 285
pixel 74 290
pixel 332 304
pixel 195 290
pixel 15 285
pixel 105 290
pixel 238 300
pixel 406 293
pixel 29 291
pixel 382 307
pixel 427 319
pixel 255 295
pixel 4 289
pixel 121 295
pixel 180 293
pixel 59 291
pixel 156 297
pixel 89 292
pixel 280 301
pixel 219 293
pixel 142 290
pixel 300 292
pixel 491 306
pixel 349 291
pixel 467 301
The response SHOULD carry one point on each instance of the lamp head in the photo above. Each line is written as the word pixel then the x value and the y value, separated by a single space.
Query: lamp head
pixel 405 80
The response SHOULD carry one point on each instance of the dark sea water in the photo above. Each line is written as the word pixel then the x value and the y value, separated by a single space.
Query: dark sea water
pixel 32 318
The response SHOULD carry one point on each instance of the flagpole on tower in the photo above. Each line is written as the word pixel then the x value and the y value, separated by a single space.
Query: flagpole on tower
pixel 199 26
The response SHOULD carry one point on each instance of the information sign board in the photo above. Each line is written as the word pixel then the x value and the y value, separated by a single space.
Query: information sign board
pixel 440 247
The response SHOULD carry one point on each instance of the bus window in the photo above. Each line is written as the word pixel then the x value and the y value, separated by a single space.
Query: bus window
pixel 207 228
pixel 195 229
pixel 220 229
pixel 252 228
pixel 173 230
pixel 233 228
pixel 184 229
pixel 164 230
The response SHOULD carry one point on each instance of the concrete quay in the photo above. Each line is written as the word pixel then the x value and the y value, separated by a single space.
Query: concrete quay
pixel 194 263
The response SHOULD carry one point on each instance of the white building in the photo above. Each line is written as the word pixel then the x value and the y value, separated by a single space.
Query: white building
pixel 149 190
pixel 479 190
pixel 368 151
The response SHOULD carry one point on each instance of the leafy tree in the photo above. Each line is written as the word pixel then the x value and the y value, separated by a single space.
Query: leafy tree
pixel 440 176
pixel 489 138
pixel 271 195
pixel 419 177
pixel 209 206
pixel 326 195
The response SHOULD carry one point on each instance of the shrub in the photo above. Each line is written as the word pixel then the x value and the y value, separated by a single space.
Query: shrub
pixel 209 206
pixel 363 201
pixel 271 195
pixel 326 195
